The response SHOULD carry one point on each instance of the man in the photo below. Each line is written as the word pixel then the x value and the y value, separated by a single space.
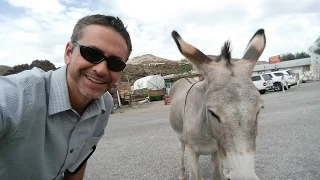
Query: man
pixel 51 122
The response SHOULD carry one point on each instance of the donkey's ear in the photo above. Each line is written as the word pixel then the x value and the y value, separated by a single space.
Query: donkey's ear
pixel 255 47
pixel 190 52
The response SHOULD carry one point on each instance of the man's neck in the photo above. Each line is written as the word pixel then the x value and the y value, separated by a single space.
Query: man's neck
pixel 78 102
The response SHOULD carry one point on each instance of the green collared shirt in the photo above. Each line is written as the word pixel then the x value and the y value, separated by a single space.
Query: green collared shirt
pixel 41 136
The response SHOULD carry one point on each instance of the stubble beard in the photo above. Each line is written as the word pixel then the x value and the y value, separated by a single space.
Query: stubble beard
pixel 82 87
pixel 76 78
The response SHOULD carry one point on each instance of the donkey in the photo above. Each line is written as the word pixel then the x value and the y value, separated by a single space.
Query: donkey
pixel 296 78
pixel 218 115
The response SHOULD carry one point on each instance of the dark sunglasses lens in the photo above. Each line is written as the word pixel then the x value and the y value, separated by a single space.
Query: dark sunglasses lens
pixel 91 54
pixel 115 64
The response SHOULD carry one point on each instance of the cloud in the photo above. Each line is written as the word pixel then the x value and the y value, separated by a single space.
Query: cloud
pixel 39 6
pixel 40 29
pixel 278 8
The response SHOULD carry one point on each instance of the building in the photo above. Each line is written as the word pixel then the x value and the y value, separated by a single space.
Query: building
pixel 311 64
pixel 315 66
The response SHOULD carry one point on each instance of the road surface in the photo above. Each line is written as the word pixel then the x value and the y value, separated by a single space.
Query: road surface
pixel 139 143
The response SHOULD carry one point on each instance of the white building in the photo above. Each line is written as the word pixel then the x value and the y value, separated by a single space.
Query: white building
pixel 311 64
pixel 315 66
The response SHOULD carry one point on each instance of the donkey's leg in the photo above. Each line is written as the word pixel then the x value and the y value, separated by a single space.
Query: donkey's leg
pixel 193 164
pixel 286 85
pixel 298 86
pixel 215 163
pixel 283 84
pixel 182 175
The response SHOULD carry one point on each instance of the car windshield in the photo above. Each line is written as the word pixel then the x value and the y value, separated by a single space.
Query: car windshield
pixel 267 77
pixel 278 74
pixel 289 72
pixel 255 78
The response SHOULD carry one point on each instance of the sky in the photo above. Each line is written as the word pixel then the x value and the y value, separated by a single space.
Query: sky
pixel 40 29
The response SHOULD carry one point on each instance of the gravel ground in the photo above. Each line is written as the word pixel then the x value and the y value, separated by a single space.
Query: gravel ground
pixel 139 143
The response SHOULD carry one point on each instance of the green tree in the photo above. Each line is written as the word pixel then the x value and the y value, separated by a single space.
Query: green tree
pixel 315 48
pixel 17 69
pixel 300 55
pixel 184 67
pixel 290 56
pixel 43 64
pixel 287 57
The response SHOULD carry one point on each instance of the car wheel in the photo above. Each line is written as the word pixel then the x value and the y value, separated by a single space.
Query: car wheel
pixel 262 91
pixel 277 87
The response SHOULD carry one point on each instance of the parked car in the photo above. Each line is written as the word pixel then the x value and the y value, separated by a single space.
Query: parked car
pixel 307 76
pixel 263 82
pixel 276 78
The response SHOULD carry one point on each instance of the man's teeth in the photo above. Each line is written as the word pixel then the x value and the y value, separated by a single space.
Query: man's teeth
pixel 95 80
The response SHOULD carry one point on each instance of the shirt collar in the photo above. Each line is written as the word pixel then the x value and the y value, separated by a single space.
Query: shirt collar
pixel 59 95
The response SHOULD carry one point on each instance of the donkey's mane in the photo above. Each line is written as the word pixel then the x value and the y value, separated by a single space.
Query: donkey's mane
pixel 225 53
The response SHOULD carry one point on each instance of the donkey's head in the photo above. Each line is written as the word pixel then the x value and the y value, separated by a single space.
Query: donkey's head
pixel 231 103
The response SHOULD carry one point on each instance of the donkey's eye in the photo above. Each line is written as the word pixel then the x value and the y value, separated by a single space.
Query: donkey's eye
pixel 214 115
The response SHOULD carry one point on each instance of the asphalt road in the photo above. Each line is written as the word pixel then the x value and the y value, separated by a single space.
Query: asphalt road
pixel 139 144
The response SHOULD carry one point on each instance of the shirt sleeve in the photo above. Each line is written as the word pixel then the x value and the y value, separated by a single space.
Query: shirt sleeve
pixel 14 99
pixel 6 92
pixel 1 123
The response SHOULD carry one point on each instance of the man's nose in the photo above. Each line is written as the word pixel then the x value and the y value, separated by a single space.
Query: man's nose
pixel 101 68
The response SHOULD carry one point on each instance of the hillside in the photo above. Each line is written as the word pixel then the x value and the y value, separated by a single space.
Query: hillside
pixel 148 59
pixel 145 65
pixel 4 69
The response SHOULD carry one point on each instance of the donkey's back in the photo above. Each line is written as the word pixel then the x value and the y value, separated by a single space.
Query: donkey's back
pixel 178 93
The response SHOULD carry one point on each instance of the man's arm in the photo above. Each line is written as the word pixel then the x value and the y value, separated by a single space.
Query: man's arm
pixel 76 176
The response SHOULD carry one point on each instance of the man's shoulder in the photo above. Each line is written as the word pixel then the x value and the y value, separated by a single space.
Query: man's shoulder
pixel 25 78
pixel 108 100
pixel 19 95
pixel 107 97
pixel 23 87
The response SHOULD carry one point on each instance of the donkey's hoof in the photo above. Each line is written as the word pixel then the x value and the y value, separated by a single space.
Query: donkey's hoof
pixel 182 177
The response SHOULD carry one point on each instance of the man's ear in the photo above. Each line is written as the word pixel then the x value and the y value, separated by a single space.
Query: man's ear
pixel 68 53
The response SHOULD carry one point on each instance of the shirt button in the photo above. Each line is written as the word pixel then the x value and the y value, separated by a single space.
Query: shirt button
pixel 71 151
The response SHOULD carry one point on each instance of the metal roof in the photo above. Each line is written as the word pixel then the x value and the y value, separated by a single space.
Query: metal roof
pixel 284 64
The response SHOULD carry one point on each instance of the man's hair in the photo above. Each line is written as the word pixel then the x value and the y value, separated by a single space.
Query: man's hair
pixel 108 21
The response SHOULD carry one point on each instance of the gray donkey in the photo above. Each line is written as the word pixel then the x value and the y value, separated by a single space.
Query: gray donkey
pixel 218 115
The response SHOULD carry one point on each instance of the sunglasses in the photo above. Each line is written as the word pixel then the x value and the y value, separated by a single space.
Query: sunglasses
pixel 96 56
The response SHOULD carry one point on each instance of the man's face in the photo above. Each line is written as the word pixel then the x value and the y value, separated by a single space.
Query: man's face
pixel 92 80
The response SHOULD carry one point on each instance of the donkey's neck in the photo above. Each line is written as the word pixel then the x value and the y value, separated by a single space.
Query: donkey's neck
pixel 196 105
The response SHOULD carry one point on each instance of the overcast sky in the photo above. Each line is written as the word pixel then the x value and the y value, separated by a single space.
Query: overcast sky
pixel 40 29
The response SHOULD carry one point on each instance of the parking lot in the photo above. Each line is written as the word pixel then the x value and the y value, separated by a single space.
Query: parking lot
pixel 139 143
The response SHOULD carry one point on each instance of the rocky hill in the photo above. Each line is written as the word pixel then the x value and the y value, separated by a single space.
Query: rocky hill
pixel 145 65
pixel 148 59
